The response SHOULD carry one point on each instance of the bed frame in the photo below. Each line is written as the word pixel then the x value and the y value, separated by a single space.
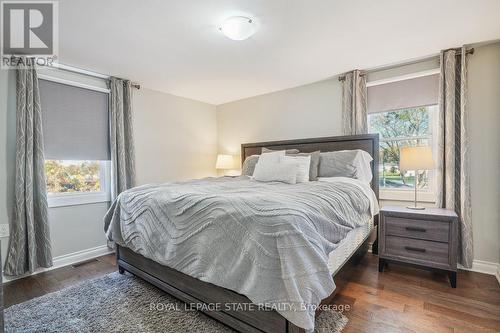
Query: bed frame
pixel 199 294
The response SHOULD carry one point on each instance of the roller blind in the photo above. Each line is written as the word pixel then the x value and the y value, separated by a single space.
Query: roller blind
pixel 420 91
pixel 75 122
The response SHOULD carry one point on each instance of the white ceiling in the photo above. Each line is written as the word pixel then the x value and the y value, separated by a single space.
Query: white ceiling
pixel 174 45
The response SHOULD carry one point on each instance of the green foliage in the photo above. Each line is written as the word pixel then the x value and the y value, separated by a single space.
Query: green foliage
pixel 399 124
pixel 80 176
pixel 395 128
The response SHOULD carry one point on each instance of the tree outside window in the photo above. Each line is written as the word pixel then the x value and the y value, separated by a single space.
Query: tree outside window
pixel 73 176
pixel 400 128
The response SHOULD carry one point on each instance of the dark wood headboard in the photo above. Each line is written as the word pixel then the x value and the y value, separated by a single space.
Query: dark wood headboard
pixel 366 142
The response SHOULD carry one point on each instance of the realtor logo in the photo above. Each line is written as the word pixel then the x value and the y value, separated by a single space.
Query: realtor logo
pixel 29 29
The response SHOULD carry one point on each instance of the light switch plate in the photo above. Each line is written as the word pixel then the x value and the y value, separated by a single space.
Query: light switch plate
pixel 4 230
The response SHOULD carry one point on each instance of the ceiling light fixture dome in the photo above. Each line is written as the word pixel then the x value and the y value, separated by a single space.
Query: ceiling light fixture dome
pixel 238 27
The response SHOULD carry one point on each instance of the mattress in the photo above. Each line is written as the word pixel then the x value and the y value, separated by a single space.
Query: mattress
pixel 338 257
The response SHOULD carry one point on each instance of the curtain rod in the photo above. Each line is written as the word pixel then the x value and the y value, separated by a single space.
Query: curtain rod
pixel 82 71
pixel 342 77
pixel 89 73
pixel 459 52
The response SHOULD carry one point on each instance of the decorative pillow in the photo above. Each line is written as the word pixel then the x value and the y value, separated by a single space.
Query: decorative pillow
pixel 313 168
pixel 284 172
pixel 288 151
pixel 346 163
pixel 272 157
pixel 267 159
pixel 249 165
pixel 303 165
pixel 250 162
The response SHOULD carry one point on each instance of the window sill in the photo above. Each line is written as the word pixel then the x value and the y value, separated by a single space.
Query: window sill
pixel 75 199
pixel 407 195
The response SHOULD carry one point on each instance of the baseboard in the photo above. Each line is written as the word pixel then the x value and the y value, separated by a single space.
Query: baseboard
pixel 485 267
pixel 68 259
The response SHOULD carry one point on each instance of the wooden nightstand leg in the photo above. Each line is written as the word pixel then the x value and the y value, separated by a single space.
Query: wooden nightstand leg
pixel 381 264
pixel 453 279
pixel 375 246
pixel 375 242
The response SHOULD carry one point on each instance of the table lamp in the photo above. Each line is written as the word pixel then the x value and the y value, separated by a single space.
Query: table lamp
pixel 416 158
pixel 225 162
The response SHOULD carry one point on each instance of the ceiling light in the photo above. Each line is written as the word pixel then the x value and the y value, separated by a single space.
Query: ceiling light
pixel 238 27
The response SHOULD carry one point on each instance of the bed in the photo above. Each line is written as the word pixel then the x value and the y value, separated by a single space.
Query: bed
pixel 221 303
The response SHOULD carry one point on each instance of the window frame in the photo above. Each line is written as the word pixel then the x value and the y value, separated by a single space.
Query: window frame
pixel 83 198
pixel 80 198
pixel 424 195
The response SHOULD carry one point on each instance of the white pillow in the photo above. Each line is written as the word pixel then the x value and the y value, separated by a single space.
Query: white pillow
pixel 364 167
pixel 303 163
pixel 285 172
pixel 274 157
pixel 266 159
pixel 251 162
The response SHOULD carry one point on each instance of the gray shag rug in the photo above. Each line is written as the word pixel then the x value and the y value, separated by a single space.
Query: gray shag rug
pixel 122 303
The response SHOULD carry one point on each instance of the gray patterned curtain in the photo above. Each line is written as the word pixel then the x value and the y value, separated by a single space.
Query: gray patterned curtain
pixel 453 168
pixel 354 119
pixel 121 138
pixel 29 243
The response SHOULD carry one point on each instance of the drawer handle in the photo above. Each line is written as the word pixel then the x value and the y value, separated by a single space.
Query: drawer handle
pixel 416 249
pixel 415 229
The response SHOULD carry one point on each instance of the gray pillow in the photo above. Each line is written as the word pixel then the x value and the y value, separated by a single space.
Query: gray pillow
pixel 345 163
pixel 288 151
pixel 249 165
pixel 337 164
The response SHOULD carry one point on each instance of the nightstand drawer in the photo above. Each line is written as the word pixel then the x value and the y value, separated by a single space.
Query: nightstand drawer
pixel 419 229
pixel 427 251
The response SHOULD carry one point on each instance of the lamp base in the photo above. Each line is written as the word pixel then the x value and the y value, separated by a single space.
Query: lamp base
pixel 415 207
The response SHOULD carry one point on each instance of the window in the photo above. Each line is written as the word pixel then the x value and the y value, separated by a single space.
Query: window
pixel 77 182
pixel 73 176
pixel 76 139
pixel 399 128
pixel 403 113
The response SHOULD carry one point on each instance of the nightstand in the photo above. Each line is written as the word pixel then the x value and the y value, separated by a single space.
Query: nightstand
pixel 426 238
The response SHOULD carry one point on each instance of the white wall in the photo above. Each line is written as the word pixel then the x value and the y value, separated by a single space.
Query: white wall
pixel 314 110
pixel 175 139
pixel 484 112
pixel 308 111
pixel 76 228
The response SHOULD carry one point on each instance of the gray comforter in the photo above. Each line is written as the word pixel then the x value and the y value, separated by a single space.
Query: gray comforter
pixel 267 241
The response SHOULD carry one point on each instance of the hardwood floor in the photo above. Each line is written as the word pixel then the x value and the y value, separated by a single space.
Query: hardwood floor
pixel 21 290
pixel 405 299
pixel 401 299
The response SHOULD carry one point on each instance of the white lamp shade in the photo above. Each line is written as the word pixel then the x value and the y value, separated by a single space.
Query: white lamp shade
pixel 416 158
pixel 225 162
